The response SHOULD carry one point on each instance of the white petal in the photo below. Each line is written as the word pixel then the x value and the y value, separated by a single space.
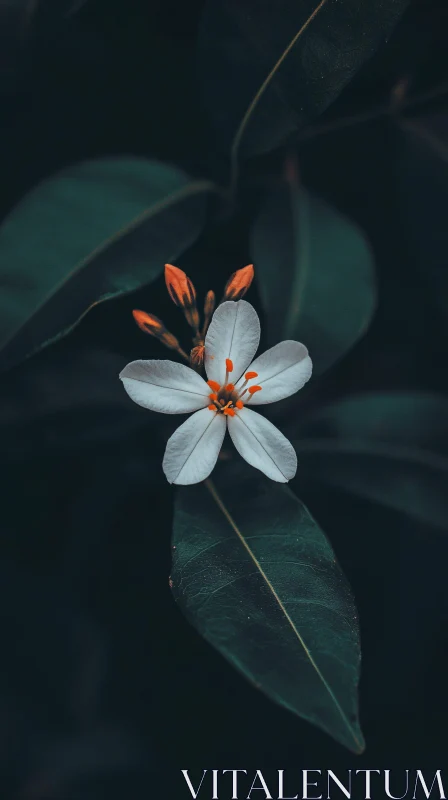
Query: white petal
pixel 165 386
pixel 262 445
pixel 282 371
pixel 192 450
pixel 234 333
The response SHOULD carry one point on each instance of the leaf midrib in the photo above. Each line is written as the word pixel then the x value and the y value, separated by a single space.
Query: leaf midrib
pixel 254 102
pixel 160 206
pixel 212 489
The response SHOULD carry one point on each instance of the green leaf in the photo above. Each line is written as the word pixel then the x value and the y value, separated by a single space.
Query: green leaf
pixel 257 578
pixel 422 182
pixel 391 449
pixel 316 274
pixel 95 230
pixel 268 68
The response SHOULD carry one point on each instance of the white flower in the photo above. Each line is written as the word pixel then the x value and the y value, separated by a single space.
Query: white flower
pixel 234 384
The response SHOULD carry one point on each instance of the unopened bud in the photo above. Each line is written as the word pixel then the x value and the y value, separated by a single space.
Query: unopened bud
pixel 192 317
pixel 170 341
pixel 238 283
pixel 209 307
pixel 209 304
pixel 180 287
pixel 183 293
pixel 149 323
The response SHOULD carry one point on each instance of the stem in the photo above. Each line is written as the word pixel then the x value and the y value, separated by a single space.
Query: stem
pixel 243 124
pixel 384 109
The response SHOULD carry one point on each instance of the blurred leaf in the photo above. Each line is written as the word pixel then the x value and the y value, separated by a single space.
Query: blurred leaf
pixel 389 448
pixel 84 380
pixel 422 171
pixel 415 419
pixel 316 274
pixel 258 579
pixel 267 68
pixel 92 232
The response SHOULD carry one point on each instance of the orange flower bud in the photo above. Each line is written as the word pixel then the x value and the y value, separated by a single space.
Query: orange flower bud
pixel 192 317
pixel 209 307
pixel 209 304
pixel 180 288
pixel 149 323
pixel 238 283
pixel 170 341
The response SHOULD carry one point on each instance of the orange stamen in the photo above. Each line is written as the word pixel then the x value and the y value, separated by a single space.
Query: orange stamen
pixel 197 355
pixel 229 412
pixel 212 407
pixel 253 389
pixel 214 385
pixel 239 404
pixel 250 375
pixel 213 396
pixel 238 283
pixel 230 387
pixel 229 365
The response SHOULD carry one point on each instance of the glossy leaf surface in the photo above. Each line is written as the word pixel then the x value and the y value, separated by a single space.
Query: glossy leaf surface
pixel 391 449
pixel 315 272
pixel 258 579
pixel 267 68
pixel 95 230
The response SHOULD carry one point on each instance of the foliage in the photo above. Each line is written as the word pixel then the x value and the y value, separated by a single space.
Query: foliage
pixel 247 171
pixel 257 577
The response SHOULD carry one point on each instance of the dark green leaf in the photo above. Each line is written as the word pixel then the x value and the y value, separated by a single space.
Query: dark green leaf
pixel 267 68
pixel 316 274
pixel 258 579
pixel 422 171
pixel 389 448
pixel 415 419
pixel 96 230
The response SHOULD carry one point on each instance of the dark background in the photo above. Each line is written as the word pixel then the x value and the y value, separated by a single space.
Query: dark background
pixel 105 690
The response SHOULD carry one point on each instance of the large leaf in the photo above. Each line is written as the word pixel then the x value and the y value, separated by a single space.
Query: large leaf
pixel 95 230
pixel 389 448
pixel 258 579
pixel 316 274
pixel 267 68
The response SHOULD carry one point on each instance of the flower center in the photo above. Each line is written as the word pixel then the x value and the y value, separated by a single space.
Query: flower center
pixel 226 398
